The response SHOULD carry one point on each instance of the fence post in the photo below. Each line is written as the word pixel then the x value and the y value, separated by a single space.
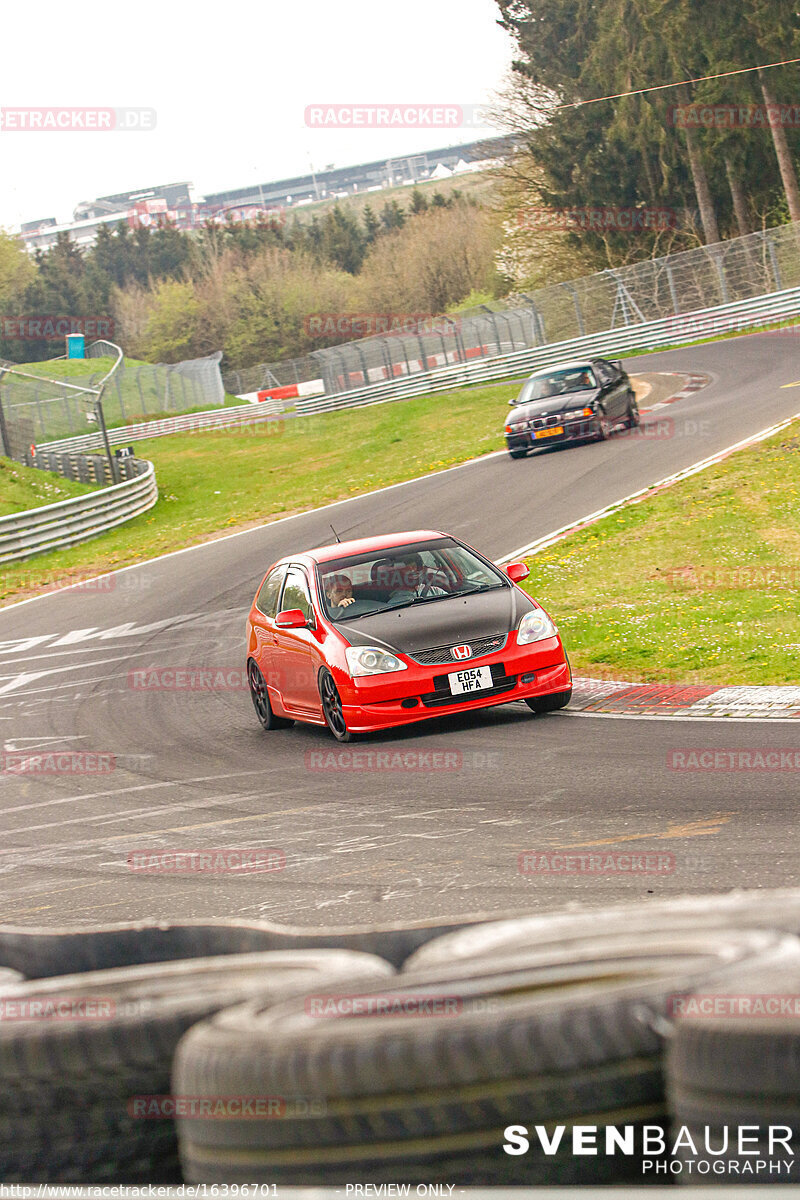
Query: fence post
pixel 101 421
pixel 5 444
pixel 720 267
pixel 672 290
pixel 775 266
pixel 578 312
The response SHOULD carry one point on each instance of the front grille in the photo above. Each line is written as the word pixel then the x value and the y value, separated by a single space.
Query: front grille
pixel 444 654
pixel 547 422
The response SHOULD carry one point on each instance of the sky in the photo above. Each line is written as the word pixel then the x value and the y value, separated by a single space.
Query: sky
pixel 227 88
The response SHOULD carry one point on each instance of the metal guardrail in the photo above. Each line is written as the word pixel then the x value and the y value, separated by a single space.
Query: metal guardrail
pixel 683 329
pixel 57 526
pixel 649 335
pixel 237 415
pixel 649 290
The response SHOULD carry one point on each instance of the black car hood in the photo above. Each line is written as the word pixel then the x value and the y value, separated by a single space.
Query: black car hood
pixel 442 622
pixel 569 402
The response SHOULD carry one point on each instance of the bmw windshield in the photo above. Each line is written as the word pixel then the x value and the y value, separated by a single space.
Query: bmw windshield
pixel 557 383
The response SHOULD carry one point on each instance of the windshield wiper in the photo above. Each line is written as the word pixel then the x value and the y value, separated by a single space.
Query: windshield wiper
pixel 479 587
pixel 369 613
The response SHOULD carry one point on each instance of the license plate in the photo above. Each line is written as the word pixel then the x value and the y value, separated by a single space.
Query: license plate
pixel 471 679
pixel 554 432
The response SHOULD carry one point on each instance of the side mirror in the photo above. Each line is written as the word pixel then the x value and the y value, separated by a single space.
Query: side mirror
pixel 291 618
pixel 511 403
pixel 517 571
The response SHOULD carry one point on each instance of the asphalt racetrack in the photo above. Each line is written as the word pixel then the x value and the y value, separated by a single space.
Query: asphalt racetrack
pixel 375 840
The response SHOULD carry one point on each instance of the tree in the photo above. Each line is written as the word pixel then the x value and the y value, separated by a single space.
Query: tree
pixel 172 322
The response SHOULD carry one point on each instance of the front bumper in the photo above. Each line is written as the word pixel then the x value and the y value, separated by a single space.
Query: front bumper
pixel 574 431
pixel 518 672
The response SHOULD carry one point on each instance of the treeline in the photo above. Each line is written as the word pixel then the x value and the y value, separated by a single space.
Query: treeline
pixel 711 151
pixel 250 289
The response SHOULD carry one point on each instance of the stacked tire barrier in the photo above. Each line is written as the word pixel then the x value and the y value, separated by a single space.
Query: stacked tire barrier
pixel 466 1054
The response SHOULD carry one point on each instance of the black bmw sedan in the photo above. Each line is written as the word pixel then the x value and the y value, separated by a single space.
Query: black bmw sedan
pixel 570 402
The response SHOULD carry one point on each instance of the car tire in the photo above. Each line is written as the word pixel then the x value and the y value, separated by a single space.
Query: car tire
pixel 551 703
pixel 332 708
pixel 68 1104
pixel 728 1070
pixel 260 697
pixel 604 428
pixel 42 953
pixel 547 1038
pixel 518 454
pixel 778 910
pixel 634 417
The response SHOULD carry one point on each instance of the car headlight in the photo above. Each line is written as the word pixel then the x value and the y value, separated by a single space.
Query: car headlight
pixel 371 660
pixel 535 627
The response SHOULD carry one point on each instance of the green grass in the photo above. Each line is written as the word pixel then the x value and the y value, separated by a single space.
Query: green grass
pixel 23 487
pixel 210 483
pixel 698 584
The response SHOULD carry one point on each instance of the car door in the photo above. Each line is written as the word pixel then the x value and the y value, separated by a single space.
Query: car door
pixel 297 650
pixel 616 391
pixel 263 621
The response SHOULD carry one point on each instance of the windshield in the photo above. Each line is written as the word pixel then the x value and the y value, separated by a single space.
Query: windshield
pixel 558 383
pixel 422 573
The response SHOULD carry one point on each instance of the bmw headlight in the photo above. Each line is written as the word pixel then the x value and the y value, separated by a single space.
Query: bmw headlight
pixel 535 627
pixel 371 660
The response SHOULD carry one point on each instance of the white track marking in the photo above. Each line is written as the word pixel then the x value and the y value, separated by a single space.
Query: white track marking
pixel 232 636
pixel 139 787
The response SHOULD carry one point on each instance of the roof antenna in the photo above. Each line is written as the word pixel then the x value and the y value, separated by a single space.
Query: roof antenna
pixel 335 534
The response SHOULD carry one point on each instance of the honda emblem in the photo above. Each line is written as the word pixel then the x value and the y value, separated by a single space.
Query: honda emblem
pixel 461 652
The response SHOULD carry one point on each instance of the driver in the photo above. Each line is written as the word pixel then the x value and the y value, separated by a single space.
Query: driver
pixel 339 591
pixel 411 582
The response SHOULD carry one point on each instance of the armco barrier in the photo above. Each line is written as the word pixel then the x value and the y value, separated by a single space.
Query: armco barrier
pixel 57 526
pixel 671 331
pixel 218 418
pixel 679 330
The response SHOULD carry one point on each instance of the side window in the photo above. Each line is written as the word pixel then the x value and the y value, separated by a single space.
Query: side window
pixel 296 593
pixel 267 598
pixel 604 372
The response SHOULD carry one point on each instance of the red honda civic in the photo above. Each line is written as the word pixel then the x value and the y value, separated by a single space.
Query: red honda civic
pixel 365 635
